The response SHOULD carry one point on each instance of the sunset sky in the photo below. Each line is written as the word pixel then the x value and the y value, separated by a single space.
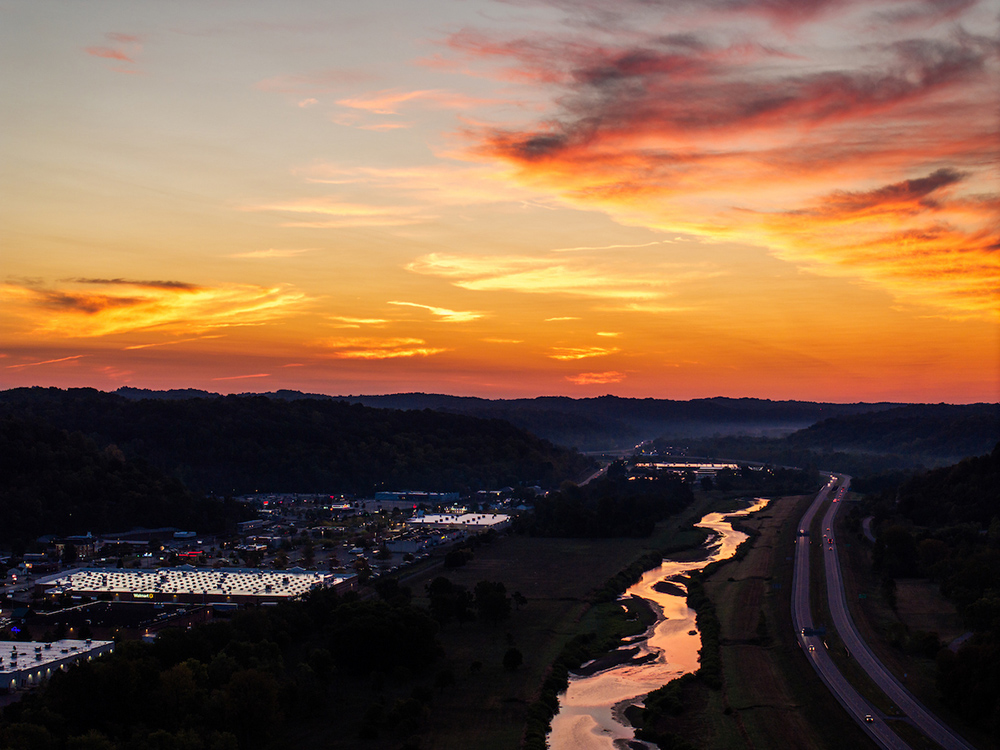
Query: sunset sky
pixel 788 199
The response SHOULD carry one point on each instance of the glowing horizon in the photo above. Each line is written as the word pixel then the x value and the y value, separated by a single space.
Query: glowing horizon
pixel 504 198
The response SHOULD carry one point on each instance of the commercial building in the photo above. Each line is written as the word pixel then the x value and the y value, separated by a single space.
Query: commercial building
pixel 118 620
pixel 25 664
pixel 190 584
pixel 470 522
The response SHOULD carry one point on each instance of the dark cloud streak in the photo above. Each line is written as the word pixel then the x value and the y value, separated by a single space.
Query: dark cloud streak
pixel 84 303
pixel 181 286
pixel 914 192
pixel 671 91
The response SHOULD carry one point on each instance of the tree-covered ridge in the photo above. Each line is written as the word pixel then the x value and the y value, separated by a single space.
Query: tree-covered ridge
pixel 968 492
pixel 931 431
pixel 600 423
pixel 56 482
pixel 898 441
pixel 239 444
pixel 945 525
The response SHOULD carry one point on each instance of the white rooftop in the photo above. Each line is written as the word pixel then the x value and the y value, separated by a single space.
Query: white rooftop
pixel 20 655
pixel 191 580
pixel 481 520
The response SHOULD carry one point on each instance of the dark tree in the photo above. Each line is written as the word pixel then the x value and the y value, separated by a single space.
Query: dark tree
pixel 512 659
pixel 491 601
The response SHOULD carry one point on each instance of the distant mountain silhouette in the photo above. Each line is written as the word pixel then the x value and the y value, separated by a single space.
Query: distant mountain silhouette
pixel 891 442
pixel 596 424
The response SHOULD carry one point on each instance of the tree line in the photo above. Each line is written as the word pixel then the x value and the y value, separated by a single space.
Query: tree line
pixel 616 504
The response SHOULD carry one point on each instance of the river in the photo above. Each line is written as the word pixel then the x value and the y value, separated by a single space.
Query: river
pixel 591 711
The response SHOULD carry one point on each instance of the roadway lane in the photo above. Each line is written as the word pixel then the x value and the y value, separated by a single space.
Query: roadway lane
pixel 927 722
pixel 843 691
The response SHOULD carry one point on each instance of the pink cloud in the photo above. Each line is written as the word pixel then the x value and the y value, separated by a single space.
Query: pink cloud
pixel 109 53
pixel 864 157
pixel 123 48
pixel 596 378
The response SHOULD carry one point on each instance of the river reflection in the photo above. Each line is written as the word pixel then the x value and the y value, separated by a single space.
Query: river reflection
pixel 591 710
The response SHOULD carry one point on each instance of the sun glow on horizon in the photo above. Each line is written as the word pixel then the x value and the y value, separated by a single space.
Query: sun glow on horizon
pixel 676 200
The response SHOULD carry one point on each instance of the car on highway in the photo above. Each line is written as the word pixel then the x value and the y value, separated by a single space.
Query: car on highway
pixel 869 718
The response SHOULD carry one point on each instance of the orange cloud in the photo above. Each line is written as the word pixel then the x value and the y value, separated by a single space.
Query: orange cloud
pixel 451 316
pixel 874 164
pixel 246 377
pixel 371 348
pixel 596 378
pixel 571 352
pixel 334 213
pixel 346 322
pixel 435 185
pixel 596 277
pixel 909 236
pixel 45 362
pixel 388 101
pixel 165 306
pixel 169 343
pixel 116 374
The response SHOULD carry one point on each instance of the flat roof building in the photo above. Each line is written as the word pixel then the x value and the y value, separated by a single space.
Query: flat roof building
pixel 25 664
pixel 190 584
pixel 471 522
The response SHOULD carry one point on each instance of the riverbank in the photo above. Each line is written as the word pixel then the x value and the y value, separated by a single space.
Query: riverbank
pixel 767 695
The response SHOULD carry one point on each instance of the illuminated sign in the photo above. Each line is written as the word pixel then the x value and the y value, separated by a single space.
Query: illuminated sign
pixel 142 596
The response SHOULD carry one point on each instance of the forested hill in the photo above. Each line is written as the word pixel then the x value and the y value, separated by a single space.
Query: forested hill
pixel 238 444
pixel 898 441
pixel 54 482
pixel 935 432
pixel 603 423
pixel 945 525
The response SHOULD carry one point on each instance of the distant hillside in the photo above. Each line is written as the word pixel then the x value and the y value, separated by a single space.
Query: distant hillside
pixel 604 423
pixel 54 482
pixel 239 444
pixel 900 439
pixel 936 433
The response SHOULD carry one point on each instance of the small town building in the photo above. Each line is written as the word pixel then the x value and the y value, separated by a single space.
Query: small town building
pixel 25 664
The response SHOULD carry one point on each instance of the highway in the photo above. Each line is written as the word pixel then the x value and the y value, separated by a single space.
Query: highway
pixel 849 698
pixel 918 714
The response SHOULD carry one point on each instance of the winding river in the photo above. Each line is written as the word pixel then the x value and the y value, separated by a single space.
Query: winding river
pixel 591 711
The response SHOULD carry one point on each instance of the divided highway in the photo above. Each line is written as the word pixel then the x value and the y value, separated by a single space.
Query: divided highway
pixel 852 701
pixel 918 714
